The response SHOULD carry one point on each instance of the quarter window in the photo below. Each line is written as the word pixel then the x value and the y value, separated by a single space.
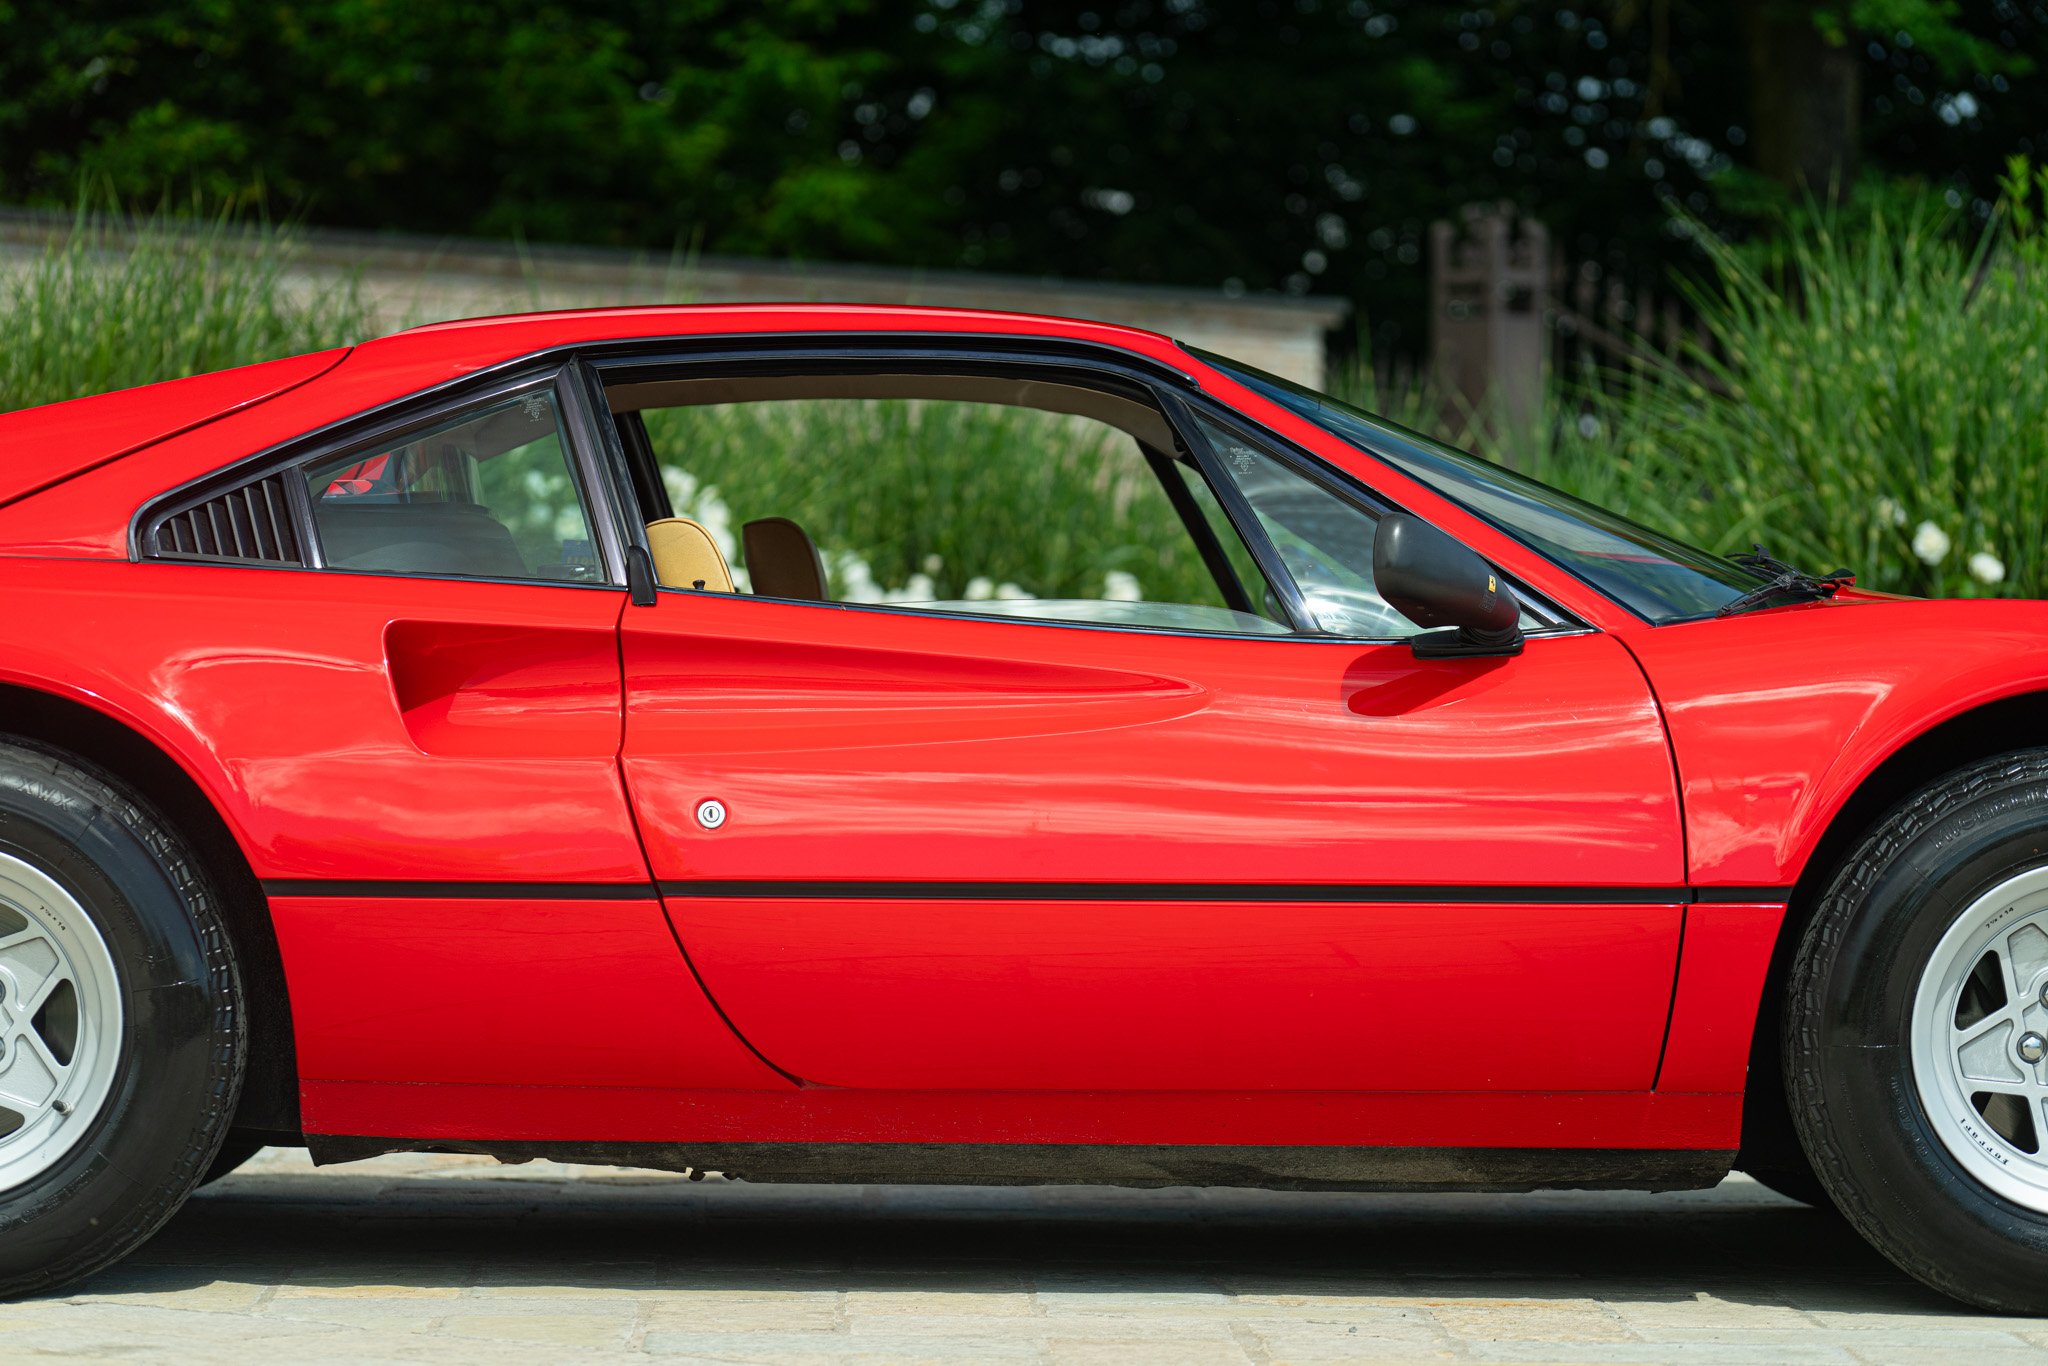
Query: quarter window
pixel 1325 541
pixel 491 496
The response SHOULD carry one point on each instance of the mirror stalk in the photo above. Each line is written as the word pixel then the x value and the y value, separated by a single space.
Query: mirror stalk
pixel 1466 643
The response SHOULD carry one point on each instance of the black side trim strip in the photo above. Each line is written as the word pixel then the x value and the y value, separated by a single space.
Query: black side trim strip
pixel 1027 891
pixel 1772 895
pixel 480 891
pixel 1212 891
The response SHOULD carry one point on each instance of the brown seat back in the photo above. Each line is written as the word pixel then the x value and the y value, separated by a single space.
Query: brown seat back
pixel 782 560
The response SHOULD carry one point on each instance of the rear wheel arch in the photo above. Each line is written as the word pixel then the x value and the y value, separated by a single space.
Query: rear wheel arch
pixel 2009 723
pixel 269 1105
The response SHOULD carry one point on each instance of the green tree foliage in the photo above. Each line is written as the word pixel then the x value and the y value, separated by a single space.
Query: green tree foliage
pixel 1288 145
pixel 1806 75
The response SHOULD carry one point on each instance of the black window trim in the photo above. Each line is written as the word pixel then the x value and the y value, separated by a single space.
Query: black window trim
pixel 577 371
pixel 856 353
pixel 1167 470
pixel 388 425
pixel 1098 367
pixel 1238 509
pixel 1174 392
pixel 1346 487
pixel 569 366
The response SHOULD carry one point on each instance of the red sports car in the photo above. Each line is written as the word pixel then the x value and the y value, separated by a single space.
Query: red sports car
pixel 390 763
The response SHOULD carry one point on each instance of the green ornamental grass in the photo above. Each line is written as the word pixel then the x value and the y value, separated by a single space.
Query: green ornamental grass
pixel 947 500
pixel 1872 393
pixel 119 302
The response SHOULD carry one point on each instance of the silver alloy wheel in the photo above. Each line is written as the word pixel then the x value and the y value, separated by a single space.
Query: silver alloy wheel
pixel 60 1021
pixel 1980 1037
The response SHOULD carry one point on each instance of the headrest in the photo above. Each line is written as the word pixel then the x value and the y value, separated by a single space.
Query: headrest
pixel 685 556
pixel 782 560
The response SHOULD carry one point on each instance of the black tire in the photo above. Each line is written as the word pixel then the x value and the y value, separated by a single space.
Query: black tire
pixel 1770 1146
pixel 1847 1036
pixel 233 1153
pixel 182 1046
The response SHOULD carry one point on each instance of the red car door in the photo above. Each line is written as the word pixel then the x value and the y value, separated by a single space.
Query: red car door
pixel 923 851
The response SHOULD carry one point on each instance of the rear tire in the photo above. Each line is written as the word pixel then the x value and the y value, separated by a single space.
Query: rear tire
pixel 121 1021
pixel 1907 1043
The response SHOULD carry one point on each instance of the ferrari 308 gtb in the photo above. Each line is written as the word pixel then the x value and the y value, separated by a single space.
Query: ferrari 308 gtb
pixel 392 758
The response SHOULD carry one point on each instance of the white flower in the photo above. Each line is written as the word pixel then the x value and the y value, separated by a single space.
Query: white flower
pixel 1930 542
pixel 681 484
pixel 934 563
pixel 920 588
pixel 1010 592
pixel 701 504
pixel 1986 567
pixel 854 578
pixel 1890 512
pixel 1117 586
pixel 980 588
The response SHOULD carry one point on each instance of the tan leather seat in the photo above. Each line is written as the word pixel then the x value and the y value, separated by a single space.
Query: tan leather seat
pixel 685 556
pixel 783 560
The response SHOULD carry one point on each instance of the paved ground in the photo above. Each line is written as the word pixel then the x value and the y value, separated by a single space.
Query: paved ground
pixel 436 1259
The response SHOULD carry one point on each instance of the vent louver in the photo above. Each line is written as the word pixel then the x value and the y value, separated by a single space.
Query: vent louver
pixel 252 523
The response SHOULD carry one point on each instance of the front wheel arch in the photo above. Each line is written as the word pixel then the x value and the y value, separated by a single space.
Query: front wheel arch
pixel 2008 724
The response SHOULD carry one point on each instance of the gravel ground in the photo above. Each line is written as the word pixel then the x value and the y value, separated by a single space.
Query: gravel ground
pixel 454 1259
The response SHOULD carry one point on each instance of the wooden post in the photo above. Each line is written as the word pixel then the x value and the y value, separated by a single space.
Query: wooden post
pixel 1488 298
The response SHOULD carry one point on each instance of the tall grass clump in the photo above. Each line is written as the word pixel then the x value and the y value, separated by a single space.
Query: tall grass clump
pixel 1874 394
pixel 119 301
pixel 927 499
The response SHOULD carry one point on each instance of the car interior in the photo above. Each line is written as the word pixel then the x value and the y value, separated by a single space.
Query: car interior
pixel 450 502
pixel 493 495
pixel 783 559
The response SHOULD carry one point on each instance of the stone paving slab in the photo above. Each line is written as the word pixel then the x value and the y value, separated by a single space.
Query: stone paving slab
pixel 438 1259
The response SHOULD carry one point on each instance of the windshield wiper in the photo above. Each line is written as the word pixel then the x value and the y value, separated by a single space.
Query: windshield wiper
pixel 1785 581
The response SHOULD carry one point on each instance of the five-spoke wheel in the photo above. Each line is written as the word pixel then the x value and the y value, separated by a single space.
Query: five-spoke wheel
pixel 1980 1038
pixel 1916 1034
pixel 121 1029
pixel 60 1021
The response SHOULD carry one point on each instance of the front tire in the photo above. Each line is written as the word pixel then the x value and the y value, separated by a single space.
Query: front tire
pixel 1916 1035
pixel 121 1021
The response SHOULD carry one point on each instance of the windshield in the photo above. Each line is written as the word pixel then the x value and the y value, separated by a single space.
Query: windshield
pixel 1654 576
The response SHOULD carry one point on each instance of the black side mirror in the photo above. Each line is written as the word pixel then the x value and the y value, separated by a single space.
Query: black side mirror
pixel 1433 581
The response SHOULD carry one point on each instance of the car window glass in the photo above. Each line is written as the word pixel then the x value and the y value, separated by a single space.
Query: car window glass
pixel 1655 576
pixel 969 507
pixel 490 495
pixel 1239 556
pixel 1325 541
